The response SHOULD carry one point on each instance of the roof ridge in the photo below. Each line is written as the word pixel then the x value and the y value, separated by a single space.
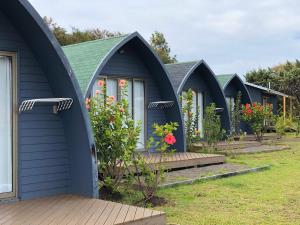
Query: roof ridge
pixel 96 40
pixel 192 61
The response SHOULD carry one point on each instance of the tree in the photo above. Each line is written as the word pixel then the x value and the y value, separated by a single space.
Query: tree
pixel 161 46
pixel 283 77
pixel 76 35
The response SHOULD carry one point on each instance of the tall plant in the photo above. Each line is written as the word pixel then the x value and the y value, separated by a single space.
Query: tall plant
pixel 146 174
pixel 236 115
pixel 191 119
pixel 116 135
pixel 213 131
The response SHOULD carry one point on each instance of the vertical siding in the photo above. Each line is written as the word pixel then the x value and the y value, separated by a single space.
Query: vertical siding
pixel 42 149
pixel 130 64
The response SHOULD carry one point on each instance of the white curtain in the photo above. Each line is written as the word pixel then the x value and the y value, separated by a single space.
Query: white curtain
pixel 6 150
pixel 201 112
pixel 139 110
pixel 129 95
pixel 112 88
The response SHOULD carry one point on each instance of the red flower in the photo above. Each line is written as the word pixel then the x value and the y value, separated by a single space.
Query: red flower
pixel 247 106
pixel 249 111
pixel 254 104
pixel 122 83
pixel 100 83
pixel 170 139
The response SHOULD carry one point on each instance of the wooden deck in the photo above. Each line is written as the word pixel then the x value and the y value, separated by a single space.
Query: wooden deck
pixel 186 159
pixel 69 209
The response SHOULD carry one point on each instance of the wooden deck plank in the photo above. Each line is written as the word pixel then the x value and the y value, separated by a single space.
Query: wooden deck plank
pixel 122 214
pixel 104 215
pixel 69 209
pixel 131 213
pixel 111 219
pixel 37 207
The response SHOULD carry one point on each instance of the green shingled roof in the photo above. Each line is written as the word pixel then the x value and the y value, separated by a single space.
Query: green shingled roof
pixel 85 57
pixel 224 78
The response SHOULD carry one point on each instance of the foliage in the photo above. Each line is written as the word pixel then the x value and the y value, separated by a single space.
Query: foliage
pixel 146 175
pixel 116 135
pixel 280 125
pixel 283 77
pixel 76 35
pixel 236 115
pixel 213 131
pixel 161 46
pixel 255 114
pixel 192 133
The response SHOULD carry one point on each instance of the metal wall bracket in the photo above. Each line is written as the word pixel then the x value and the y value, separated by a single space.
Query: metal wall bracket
pixel 161 105
pixel 59 104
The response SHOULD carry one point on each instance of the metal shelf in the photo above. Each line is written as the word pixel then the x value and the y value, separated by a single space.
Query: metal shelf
pixel 161 105
pixel 59 104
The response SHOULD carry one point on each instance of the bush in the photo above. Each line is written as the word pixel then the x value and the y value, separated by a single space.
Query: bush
pixel 280 126
pixel 255 114
pixel 115 133
pixel 213 132
pixel 146 174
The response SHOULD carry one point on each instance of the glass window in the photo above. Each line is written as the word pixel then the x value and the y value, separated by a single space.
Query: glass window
pixel 112 87
pixel 6 148
pixel 139 109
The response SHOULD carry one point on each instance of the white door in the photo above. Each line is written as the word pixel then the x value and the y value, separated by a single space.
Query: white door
pixel 6 126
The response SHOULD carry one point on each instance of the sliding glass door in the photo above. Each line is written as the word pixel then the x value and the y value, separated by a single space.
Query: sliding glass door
pixel 7 167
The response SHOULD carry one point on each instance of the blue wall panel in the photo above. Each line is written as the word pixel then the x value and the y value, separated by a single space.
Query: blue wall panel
pixel 42 149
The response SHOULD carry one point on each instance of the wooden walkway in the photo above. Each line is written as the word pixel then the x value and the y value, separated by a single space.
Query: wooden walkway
pixel 186 159
pixel 69 209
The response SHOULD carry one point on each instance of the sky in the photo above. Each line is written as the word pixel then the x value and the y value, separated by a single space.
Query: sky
pixel 232 36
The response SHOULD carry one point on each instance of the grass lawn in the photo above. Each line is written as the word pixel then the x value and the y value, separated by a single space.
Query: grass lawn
pixel 268 197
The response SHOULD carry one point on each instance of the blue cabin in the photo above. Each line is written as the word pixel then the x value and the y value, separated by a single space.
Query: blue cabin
pixel 232 84
pixel 43 152
pixel 198 76
pixel 265 95
pixel 150 93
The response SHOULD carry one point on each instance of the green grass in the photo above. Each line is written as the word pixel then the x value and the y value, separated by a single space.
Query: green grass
pixel 268 197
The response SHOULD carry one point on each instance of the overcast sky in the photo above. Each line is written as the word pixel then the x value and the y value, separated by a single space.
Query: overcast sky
pixel 232 36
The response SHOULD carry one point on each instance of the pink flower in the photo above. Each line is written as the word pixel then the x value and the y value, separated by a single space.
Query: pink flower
pixel 88 107
pixel 122 109
pixel 122 83
pixel 97 92
pixel 170 139
pixel 100 83
pixel 87 101
pixel 112 98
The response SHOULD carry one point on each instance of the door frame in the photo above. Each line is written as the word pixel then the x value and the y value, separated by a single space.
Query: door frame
pixel 14 140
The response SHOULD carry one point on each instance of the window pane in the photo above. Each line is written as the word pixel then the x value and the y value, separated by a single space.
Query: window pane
pixel 6 149
pixel 112 88
pixel 96 87
pixel 139 109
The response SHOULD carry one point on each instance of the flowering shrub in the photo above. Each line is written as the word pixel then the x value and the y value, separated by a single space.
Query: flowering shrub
pixel 116 135
pixel 145 174
pixel 255 114
pixel 192 133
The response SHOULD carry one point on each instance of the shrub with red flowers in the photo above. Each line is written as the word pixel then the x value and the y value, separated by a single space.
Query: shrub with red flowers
pixel 145 174
pixel 255 114
pixel 115 134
